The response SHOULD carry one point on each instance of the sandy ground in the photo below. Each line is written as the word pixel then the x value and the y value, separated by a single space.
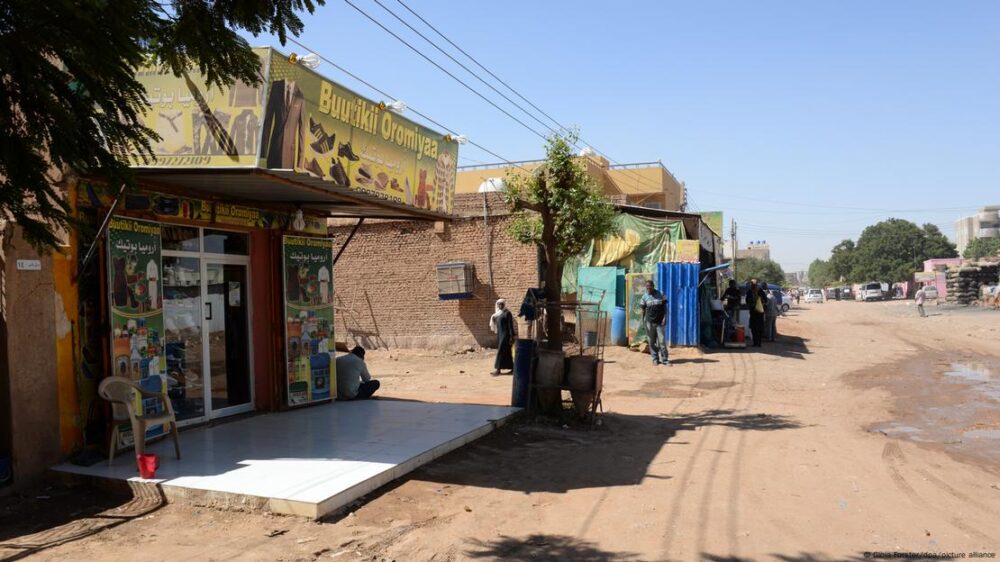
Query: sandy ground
pixel 789 453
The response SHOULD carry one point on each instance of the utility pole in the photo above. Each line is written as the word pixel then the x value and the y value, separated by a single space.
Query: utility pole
pixel 732 236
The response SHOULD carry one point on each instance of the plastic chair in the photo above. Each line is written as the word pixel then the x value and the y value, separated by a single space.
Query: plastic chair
pixel 122 393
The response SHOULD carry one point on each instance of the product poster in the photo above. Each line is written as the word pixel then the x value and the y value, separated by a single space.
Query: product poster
pixel 309 348
pixel 635 287
pixel 136 299
pixel 687 251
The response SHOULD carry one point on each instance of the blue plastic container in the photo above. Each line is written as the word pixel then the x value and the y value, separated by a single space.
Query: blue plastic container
pixel 619 327
pixel 521 385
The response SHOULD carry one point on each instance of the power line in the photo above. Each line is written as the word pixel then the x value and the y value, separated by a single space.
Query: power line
pixel 456 61
pixel 639 179
pixel 473 59
pixel 392 97
pixel 443 69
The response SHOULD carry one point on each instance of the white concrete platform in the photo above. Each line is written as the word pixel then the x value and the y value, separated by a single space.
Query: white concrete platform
pixel 310 461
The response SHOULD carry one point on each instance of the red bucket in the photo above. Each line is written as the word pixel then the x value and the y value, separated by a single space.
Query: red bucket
pixel 148 463
pixel 741 336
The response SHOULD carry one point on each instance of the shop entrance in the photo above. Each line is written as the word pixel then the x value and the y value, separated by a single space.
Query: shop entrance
pixel 207 322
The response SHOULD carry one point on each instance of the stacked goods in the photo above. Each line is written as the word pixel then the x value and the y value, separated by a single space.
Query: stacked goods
pixel 964 281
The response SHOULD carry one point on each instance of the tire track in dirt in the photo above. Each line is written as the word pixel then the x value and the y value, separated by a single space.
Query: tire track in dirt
pixel 604 495
pixel 894 460
pixel 732 522
pixel 955 493
pixel 677 501
pixel 704 507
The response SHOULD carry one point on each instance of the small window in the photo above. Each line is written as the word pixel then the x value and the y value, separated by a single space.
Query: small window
pixel 222 242
pixel 180 238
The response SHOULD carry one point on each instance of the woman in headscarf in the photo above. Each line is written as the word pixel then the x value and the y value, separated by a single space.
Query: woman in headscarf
pixel 502 324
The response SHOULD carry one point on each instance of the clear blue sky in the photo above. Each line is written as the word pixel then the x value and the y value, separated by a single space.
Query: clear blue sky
pixel 804 121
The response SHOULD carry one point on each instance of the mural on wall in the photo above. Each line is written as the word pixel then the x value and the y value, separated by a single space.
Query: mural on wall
pixel 309 315
pixel 136 298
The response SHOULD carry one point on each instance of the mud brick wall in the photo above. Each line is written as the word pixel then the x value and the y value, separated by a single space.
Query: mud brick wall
pixel 386 282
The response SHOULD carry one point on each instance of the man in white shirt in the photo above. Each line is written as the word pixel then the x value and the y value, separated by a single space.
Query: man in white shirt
pixel 920 297
pixel 353 380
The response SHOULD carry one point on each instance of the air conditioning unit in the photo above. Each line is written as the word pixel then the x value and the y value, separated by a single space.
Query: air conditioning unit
pixel 456 280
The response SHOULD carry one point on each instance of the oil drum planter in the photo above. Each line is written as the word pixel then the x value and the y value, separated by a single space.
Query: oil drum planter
pixel 549 375
pixel 582 381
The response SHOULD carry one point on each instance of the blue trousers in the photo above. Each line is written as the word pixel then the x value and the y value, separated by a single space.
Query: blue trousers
pixel 657 342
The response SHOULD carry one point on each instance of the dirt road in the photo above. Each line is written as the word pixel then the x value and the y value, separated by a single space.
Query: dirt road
pixel 838 440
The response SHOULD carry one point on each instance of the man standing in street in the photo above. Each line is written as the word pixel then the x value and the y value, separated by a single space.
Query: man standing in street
pixel 920 297
pixel 654 314
pixel 757 305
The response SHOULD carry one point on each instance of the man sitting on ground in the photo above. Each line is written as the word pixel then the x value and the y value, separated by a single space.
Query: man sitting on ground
pixel 353 380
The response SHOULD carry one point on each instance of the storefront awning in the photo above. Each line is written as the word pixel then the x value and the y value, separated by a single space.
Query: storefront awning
pixel 279 189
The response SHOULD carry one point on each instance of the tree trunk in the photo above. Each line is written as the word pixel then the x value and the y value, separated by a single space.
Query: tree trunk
pixel 553 295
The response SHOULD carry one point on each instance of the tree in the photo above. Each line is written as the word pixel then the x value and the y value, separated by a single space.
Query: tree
pixel 560 209
pixel 819 273
pixel 936 244
pixel 763 270
pixel 982 247
pixel 893 249
pixel 841 261
pixel 69 98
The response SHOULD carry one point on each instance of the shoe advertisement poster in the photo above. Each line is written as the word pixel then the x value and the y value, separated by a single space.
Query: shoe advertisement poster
pixel 315 126
pixel 136 297
pixel 309 315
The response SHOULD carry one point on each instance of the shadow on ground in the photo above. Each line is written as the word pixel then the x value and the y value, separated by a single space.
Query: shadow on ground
pixel 549 458
pixel 543 548
pixel 53 516
pixel 791 347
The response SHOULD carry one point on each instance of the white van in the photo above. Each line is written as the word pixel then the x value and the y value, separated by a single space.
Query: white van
pixel 871 292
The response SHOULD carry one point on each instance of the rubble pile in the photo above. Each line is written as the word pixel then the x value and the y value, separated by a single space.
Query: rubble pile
pixel 964 281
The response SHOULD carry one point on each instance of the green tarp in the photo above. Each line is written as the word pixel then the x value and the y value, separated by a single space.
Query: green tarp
pixel 638 246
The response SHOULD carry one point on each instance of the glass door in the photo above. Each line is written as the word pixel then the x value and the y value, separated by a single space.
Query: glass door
pixel 206 316
pixel 182 323
pixel 227 337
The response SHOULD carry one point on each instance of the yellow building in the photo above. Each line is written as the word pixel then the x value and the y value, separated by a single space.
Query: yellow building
pixel 646 184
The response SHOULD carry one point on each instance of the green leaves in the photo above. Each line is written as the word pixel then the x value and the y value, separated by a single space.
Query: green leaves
pixel 764 270
pixel 68 91
pixel 887 251
pixel 561 205
pixel 982 247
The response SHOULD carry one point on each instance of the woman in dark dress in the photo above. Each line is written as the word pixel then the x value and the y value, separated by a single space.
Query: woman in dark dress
pixel 502 323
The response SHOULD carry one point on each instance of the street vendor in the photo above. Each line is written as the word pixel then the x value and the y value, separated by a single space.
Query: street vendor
pixel 731 301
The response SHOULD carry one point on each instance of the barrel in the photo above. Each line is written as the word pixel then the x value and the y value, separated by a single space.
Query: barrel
pixel 619 333
pixel 521 385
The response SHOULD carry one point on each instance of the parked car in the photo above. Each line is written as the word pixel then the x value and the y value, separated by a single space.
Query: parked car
pixel 871 292
pixel 786 301
pixel 930 292
pixel 845 294
pixel 814 295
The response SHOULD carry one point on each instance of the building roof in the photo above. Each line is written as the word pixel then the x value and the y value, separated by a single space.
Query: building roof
pixel 282 189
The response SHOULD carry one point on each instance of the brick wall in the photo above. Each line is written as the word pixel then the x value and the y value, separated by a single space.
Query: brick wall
pixel 386 281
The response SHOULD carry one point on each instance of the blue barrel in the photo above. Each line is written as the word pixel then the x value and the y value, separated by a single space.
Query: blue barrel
pixel 619 334
pixel 521 385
